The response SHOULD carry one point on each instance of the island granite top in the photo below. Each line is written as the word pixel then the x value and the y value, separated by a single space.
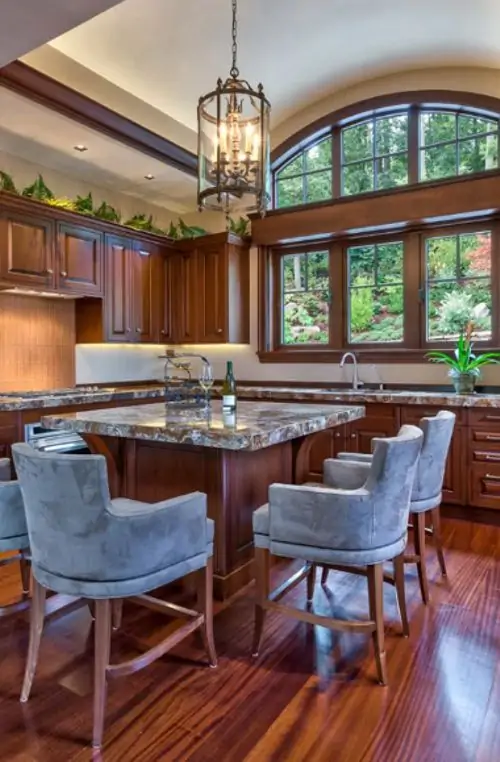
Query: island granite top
pixel 256 425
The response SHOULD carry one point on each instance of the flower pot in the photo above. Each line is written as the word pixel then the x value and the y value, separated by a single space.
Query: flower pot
pixel 464 383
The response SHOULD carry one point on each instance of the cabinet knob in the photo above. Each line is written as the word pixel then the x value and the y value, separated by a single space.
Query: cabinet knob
pixel 219 330
pixel 64 274
pixel 138 330
pixel 337 435
pixel 49 271
pixel 353 436
pixel 128 330
pixel 163 332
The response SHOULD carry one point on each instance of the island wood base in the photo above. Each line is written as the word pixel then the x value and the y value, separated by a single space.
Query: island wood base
pixel 236 483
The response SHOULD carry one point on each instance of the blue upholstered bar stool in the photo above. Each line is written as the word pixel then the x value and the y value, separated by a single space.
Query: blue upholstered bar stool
pixel 85 544
pixel 13 533
pixel 351 526
pixel 427 491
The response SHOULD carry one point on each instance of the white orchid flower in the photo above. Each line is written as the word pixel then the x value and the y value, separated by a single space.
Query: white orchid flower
pixel 480 311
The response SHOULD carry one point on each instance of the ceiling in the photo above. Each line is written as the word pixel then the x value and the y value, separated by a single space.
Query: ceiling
pixel 169 53
pixel 27 24
pixel 41 136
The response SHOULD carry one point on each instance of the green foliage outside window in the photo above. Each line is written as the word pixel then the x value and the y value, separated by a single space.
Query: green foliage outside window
pixel 306 298
pixel 376 298
pixel 458 281
pixel 374 155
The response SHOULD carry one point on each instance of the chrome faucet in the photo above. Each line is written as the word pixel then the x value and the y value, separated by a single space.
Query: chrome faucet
pixel 356 383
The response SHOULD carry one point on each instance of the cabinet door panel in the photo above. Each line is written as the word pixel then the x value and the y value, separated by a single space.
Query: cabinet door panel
pixel 212 274
pixel 144 290
pixel 484 485
pixel 454 490
pixel 80 261
pixel 184 304
pixel 118 304
pixel 168 274
pixel 361 433
pixel 27 250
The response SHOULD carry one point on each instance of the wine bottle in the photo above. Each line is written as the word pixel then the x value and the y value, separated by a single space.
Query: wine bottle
pixel 229 390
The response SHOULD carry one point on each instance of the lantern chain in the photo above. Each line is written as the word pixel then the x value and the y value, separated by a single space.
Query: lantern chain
pixel 234 68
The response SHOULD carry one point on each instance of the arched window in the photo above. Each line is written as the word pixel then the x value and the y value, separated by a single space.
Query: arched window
pixel 384 148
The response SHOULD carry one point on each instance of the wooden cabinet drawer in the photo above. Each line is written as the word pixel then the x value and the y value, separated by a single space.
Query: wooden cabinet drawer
pixel 484 485
pixel 380 410
pixel 484 417
pixel 414 413
pixel 484 439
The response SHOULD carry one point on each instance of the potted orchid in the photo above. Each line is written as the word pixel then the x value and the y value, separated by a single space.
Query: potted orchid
pixel 464 366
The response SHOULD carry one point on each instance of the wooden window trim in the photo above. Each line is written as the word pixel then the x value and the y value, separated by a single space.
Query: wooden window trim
pixel 414 346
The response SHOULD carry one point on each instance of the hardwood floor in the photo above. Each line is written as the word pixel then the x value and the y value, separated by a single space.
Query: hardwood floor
pixel 311 694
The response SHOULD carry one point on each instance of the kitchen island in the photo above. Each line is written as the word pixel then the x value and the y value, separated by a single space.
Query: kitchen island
pixel 154 453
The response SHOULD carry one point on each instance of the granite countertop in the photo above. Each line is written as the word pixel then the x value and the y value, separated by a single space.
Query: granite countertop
pixel 77 396
pixel 362 396
pixel 256 425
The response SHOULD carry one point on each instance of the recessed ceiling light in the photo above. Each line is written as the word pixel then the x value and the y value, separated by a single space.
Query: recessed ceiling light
pixel 149 177
pixel 80 148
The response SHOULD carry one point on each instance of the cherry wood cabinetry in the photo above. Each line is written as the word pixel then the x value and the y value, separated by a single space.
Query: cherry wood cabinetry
pixel 144 288
pixel 483 474
pixel 214 280
pixel 79 260
pixel 26 250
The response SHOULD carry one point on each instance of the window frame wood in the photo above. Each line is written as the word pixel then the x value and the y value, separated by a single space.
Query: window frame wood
pixel 414 346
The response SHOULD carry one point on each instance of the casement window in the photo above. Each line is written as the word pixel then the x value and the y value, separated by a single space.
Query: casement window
pixel 391 297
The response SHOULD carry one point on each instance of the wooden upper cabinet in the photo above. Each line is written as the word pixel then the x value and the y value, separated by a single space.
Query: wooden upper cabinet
pixel 26 250
pixel 144 303
pixel 212 274
pixel 79 261
pixel 167 284
pixel 211 303
pixel 185 295
pixel 119 253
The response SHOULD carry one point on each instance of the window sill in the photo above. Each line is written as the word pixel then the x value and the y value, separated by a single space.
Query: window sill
pixel 369 355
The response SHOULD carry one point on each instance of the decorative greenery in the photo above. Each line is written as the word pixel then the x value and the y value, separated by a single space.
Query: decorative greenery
pixel 85 205
pixel 61 203
pixel 240 227
pixel 107 212
pixel 463 360
pixel 38 190
pixel 181 230
pixel 7 183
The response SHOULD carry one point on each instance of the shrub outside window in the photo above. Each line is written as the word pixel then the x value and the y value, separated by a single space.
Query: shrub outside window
pixel 305 288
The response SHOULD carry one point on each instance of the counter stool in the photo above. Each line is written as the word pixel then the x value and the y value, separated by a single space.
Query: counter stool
pixel 13 534
pixel 365 526
pixel 85 544
pixel 426 494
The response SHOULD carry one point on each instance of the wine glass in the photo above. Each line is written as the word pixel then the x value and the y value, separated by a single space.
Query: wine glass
pixel 206 380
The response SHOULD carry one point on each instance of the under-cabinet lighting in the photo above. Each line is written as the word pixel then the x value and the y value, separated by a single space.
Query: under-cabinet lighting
pixel 32 292
pixel 80 148
pixel 149 177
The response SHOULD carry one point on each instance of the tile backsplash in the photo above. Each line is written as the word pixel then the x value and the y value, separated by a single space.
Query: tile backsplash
pixel 37 343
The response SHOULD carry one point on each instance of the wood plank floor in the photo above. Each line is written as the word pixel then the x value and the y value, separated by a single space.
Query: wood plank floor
pixel 310 696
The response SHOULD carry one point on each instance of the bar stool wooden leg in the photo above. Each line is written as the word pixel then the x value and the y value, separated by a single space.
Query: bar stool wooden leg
pixel 376 598
pixel 324 575
pixel 399 580
pixel 205 605
pixel 438 540
pixel 117 613
pixel 25 569
pixel 311 581
pixel 262 594
pixel 37 614
pixel 419 541
pixel 102 636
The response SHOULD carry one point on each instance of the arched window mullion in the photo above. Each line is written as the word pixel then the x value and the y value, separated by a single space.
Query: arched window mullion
pixel 336 162
pixel 413 144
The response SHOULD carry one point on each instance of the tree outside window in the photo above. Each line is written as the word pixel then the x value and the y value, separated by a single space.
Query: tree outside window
pixel 456 144
pixel 375 293
pixel 305 288
pixel 307 178
pixel 375 154
pixel 458 285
